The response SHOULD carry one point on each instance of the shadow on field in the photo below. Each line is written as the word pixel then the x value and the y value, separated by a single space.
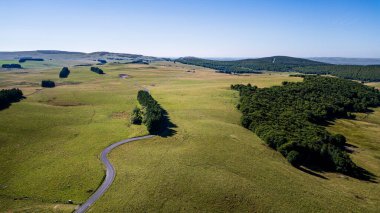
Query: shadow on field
pixel 363 174
pixel 311 172
pixel 356 172
pixel 168 127
pixel 6 104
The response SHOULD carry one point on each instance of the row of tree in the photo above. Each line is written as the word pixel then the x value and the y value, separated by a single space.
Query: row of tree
pixel 11 66
pixel 289 117
pixel 8 96
pixel 64 72
pixel 23 59
pixel 153 116
pixel 97 70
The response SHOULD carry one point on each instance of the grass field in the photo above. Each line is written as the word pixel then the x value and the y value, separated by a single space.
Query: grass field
pixel 50 143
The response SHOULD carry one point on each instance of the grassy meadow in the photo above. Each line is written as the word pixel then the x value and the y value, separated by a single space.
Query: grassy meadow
pixel 50 145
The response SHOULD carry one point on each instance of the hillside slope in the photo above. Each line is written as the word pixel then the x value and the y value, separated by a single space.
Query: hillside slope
pixel 288 64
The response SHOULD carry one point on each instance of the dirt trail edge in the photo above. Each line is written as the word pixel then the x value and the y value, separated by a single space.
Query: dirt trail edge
pixel 110 173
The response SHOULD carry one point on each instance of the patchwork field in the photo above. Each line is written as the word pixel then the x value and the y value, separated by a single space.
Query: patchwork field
pixel 50 145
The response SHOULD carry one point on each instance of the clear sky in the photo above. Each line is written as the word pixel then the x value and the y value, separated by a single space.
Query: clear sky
pixel 203 28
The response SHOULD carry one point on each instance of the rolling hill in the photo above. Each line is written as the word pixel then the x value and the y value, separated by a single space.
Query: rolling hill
pixel 288 64
pixel 65 58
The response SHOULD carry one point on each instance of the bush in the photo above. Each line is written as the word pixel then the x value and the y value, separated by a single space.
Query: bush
pixel 97 70
pixel 47 84
pixel 293 157
pixel 339 140
pixel 8 96
pixel 64 72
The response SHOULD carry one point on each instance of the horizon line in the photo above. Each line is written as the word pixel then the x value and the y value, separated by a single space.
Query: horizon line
pixel 205 57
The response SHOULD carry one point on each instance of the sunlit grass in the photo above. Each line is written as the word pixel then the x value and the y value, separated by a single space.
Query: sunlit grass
pixel 50 143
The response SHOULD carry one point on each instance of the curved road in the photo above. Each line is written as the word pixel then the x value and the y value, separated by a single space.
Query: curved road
pixel 110 173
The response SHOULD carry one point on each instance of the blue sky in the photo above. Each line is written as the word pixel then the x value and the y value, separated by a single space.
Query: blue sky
pixel 203 28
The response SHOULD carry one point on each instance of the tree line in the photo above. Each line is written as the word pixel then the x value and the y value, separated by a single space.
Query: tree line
pixel 288 64
pixel 23 59
pixel 276 63
pixel 9 96
pixel 152 114
pixel 10 66
pixel 354 72
pixel 289 118
pixel 97 70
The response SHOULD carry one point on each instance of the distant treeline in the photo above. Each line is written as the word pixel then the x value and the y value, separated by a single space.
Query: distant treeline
pixel 9 66
pixel 278 63
pixel 47 83
pixel 354 72
pixel 154 115
pixel 288 64
pixel 64 72
pixel 23 59
pixel 9 96
pixel 289 117
pixel 97 70
pixel 139 61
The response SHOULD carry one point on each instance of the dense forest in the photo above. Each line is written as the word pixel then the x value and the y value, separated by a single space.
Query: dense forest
pixel 11 66
pixel 288 64
pixel 278 63
pixel 47 83
pixel 354 72
pixel 289 118
pixel 64 72
pixel 97 70
pixel 153 114
pixel 8 96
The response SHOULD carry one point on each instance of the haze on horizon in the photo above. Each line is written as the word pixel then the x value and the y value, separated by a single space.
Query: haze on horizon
pixel 210 28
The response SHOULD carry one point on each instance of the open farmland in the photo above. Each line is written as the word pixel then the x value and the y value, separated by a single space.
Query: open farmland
pixel 50 145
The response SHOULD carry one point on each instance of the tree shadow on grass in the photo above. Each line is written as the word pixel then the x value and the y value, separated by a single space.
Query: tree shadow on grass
pixel 310 172
pixel 6 105
pixel 349 148
pixel 357 172
pixel 363 174
pixel 167 129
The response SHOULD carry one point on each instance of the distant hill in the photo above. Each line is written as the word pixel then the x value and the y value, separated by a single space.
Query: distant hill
pixel 65 55
pixel 348 61
pixel 274 63
pixel 288 64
